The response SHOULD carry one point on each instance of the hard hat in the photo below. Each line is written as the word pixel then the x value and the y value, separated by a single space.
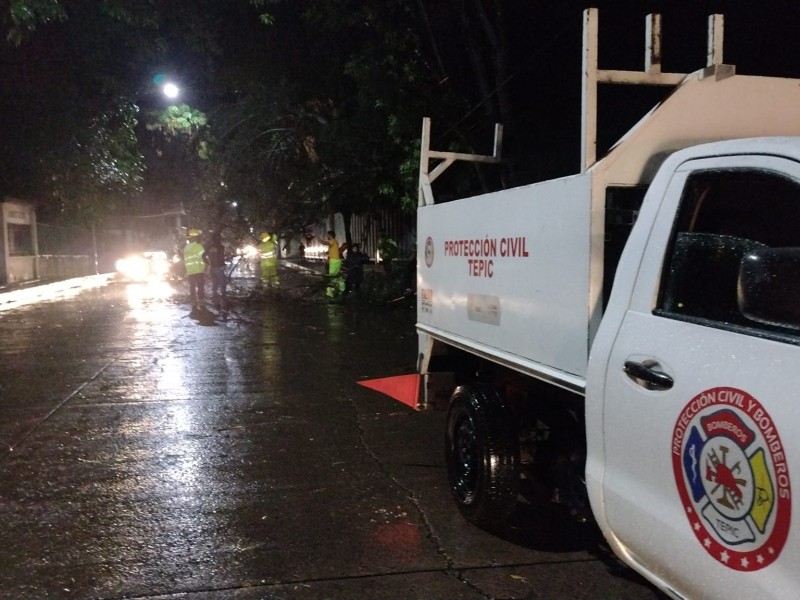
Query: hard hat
pixel 266 236
pixel 194 233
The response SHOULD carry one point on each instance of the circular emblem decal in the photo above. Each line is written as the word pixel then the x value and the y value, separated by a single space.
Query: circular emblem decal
pixel 429 251
pixel 733 478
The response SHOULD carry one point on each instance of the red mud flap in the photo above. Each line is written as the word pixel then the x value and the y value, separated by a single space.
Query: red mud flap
pixel 404 388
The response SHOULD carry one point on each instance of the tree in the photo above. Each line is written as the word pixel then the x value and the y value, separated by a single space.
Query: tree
pixel 338 133
pixel 73 80
pixel 266 155
pixel 95 169
pixel 24 16
pixel 68 102
pixel 344 137
pixel 312 106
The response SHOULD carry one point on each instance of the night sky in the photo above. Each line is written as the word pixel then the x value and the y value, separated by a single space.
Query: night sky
pixel 760 39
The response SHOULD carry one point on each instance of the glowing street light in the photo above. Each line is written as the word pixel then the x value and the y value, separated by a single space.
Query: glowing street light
pixel 170 90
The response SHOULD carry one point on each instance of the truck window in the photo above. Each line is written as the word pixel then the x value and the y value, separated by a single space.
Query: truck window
pixel 725 216
pixel 622 209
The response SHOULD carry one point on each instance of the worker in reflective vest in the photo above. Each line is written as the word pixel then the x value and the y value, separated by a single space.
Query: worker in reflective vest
pixel 335 286
pixel 269 259
pixel 195 262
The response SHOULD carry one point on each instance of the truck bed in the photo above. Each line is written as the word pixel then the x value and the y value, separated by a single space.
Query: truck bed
pixel 515 276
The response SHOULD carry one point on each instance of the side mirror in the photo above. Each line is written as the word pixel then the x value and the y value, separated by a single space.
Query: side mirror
pixel 769 286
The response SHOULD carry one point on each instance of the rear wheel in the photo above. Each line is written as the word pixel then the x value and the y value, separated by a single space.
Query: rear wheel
pixel 482 453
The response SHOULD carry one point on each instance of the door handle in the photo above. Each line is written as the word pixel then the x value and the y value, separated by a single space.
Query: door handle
pixel 648 375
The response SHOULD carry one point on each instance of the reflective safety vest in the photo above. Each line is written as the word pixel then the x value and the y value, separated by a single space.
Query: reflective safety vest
pixel 193 258
pixel 268 250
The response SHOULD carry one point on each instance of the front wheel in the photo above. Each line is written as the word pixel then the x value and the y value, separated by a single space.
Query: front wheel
pixel 482 453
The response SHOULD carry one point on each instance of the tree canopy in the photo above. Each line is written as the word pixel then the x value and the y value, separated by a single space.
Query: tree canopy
pixel 291 109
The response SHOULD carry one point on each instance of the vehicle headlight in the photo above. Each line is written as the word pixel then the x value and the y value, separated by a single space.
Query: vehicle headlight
pixel 133 267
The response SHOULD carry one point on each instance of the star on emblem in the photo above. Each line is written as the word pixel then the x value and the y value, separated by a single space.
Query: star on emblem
pixel 725 557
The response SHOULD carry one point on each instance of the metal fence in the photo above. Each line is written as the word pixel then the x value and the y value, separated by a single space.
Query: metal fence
pixel 368 229
pixel 78 248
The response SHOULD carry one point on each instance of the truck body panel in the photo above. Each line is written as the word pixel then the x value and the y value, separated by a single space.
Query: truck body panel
pixel 492 281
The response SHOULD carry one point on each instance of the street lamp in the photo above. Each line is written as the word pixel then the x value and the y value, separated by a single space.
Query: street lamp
pixel 170 90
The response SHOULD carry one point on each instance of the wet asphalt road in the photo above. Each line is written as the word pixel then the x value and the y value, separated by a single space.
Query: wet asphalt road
pixel 145 454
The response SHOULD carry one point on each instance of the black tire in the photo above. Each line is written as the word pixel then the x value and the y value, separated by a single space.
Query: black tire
pixel 482 453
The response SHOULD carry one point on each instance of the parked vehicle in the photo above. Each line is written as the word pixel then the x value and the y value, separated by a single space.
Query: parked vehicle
pixel 623 342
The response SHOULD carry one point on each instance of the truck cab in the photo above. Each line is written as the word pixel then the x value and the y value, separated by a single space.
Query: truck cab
pixel 690 396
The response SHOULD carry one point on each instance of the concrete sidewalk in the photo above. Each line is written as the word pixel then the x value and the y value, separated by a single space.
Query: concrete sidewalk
pixel 37 290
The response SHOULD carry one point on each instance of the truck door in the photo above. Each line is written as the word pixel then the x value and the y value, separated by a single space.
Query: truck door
pixel 701 400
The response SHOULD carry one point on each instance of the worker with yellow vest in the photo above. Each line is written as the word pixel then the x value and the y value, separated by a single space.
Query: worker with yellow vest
pixel 195 261
pixel 269 259
pixel 335 285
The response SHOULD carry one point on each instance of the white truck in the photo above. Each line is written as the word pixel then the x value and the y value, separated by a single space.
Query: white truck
pixel 625 340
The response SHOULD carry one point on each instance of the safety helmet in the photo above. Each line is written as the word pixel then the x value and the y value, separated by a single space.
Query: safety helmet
pixel 194 233
pixel 266 236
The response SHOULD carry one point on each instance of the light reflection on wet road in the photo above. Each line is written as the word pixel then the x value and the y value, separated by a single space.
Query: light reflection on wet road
pixel 146 454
